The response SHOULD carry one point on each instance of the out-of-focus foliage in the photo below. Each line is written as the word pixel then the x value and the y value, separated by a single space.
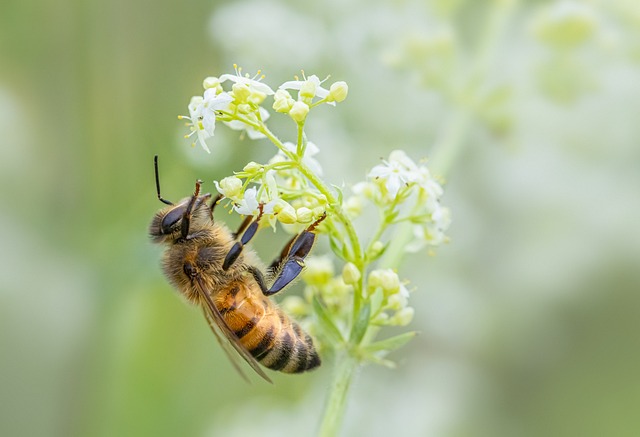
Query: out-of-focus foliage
pixel 528 318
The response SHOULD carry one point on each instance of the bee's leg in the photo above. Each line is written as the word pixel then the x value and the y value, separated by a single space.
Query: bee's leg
pixel 249 231
pixel 291 260
pixel 259 277
pixel 243 226
pixel 214 202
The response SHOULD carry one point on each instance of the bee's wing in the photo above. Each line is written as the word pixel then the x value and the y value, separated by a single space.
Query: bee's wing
pixel 216 321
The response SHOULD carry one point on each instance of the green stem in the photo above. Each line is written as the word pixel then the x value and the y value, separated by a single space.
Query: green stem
pixel 335 407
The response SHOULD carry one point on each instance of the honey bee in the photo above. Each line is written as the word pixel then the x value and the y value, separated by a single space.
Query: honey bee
pixel 212 268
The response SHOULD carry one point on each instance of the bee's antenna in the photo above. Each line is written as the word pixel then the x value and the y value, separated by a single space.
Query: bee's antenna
pixel 186 218
pixel 155 165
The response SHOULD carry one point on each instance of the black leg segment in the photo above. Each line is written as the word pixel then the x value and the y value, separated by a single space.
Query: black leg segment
pixel 248 234
pixel 291 261
pixel 294 262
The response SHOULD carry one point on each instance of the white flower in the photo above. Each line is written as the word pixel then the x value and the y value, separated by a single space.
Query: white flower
pixel 250 205
pixel 252 133
pixel 432 232
pixel 400 170
pixel 253 84
pixel 307 88
pixel 394 174
pixel 230 187
pixel 202 114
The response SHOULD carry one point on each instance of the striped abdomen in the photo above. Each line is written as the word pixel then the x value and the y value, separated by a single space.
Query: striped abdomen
pixel 271 337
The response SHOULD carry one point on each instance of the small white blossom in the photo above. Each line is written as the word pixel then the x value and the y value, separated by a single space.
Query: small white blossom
pixel 309 87
pixel 250 205
pixel 230 187
pixel 202 114
pixel 400 171
pixel 432 232
pixel 252 83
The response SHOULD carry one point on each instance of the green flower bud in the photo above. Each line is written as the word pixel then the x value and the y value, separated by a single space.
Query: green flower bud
pixel 308 90
pixel 304 214
pixel 285 212
pixel 252 168
pixel 299 111
pixel 230 187
pixel 210 82
pixel 241 92
pixel 402 317
pixel 389 281
pixel 338 91
pixel 350 274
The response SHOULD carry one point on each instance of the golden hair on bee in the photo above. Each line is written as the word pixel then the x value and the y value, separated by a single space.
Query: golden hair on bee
pixel 212 267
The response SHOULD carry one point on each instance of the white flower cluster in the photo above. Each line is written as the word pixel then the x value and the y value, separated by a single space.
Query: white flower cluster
pixel 240 108
pixel 397 181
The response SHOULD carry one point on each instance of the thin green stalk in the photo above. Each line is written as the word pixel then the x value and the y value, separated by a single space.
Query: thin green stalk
pixel 335 408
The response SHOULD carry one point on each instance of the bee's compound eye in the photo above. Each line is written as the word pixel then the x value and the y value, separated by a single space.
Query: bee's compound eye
pixel 172 217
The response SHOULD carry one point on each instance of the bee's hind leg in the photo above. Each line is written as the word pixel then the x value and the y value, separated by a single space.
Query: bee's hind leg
pixel 248 229
pixel 291 261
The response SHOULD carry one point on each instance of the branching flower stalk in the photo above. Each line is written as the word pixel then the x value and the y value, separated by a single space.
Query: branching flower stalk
pixel 345 311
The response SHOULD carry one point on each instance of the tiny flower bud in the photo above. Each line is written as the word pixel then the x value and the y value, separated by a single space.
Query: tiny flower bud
pixel 396 302
pixel 285 212
pixel 381 319
pixel 304 214
pixel 244 108
pixel 256 97
pixel 240 92
pixel 230 187
pixel 308 90
pixel 350 274
pixel 282 101
pixel 338 91
pixel 389 281
pixel 195 101
pixel 318 211
pixel 252 168
pixel 376 248
pixel 299 111
pixel 402 317
pixel 210 82
pixel 375 279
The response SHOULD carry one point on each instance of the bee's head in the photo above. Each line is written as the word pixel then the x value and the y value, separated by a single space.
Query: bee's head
pixel 167 224
pixel 179 220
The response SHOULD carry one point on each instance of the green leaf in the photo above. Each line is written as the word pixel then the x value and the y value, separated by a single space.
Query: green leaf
pixel 336 248
pixel 325 321
pixel 361 324
pixel 390 344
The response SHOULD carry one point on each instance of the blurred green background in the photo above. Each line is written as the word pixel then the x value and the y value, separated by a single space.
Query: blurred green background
pixel 529 319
